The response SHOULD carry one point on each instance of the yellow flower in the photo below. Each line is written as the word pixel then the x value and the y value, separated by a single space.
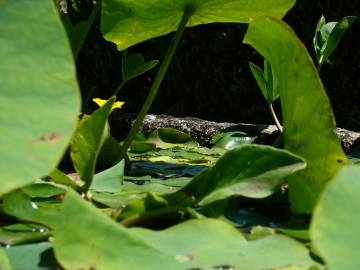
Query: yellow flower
pixel 101 103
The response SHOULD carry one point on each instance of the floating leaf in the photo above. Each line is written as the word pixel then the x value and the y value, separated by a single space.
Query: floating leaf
pixel 110 180
pixel 19 205
pixel 42 190
pixel 87 141
pixel 38 256
pixel 252 171
pixel 230 140
pixel 203 244
pixel 128 22
pixel 339 246
pixel 27 235
pixel 307 115
pixel 39 97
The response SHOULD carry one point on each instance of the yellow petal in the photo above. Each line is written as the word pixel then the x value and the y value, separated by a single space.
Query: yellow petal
pixel 101 102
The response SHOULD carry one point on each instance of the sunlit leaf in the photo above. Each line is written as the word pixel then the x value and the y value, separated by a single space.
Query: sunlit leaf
pixel 39 97
pixel 307 115
pixel 128 22
pixel 252 171
pixel 87 141
pixel 203 244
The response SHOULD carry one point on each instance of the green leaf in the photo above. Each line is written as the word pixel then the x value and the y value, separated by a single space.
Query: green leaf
pixel 252 171
pixel 233 139
pixel 337 207
pixel 170 137
pixel 128 22
pixel 39 97
pixel 260 79
pixel 32 256
pixel 87 141
pixel 134 65
pixel 307 115
pixel 336 32
pixel 26 235
pixel 110 180
pixel 318 39
pixel 61 178
pixel 19 205
pixel 4 261
pixel 42 190
pixel 204 244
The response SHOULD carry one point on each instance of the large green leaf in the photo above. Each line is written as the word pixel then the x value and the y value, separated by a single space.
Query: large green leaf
pixel 128 22
pixel 39 97
pixel 198 244
pixel 335 225
pixel 252 171
pixel 307 115
pixel 87 141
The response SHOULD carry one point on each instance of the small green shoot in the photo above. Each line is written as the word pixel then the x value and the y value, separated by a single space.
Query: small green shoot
pixel 328 36
pixel 268 86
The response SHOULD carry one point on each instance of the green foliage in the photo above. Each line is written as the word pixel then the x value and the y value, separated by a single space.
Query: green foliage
pixel 328 36
pixel 87 141
pixel 200 244
pixel 266 81
pixel 149 19
pixel 79 220
pixel 252 171
pixel 307 114
pixel 336 207
pixel 39 97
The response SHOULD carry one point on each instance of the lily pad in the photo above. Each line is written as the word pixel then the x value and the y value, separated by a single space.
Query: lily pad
pixel 128 22
pixel 308 118
pixel 338 246
pixel 4 261
pixel 37 256
pixel 39 96
pixel 200 244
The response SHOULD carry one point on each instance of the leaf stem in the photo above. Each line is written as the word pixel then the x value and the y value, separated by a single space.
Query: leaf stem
pixel 157 81
pixel 273 114
pixel 117 90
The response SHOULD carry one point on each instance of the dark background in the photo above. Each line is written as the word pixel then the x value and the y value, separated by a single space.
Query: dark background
pixel 210 77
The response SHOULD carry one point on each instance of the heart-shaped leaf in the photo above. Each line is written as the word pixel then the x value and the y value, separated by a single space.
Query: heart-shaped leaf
pixel 39 97
pixel 336 207
pixel 307 115
pixel 128 22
